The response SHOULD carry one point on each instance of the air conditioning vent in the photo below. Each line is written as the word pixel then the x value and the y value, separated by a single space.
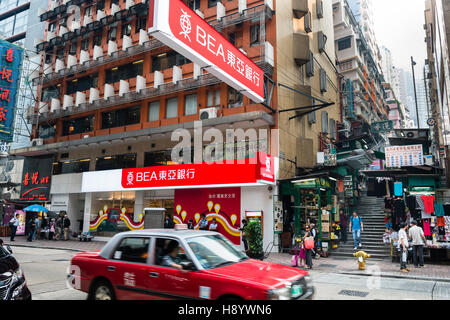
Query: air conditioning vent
pixel 310 65
pixel 308 22
pixel 208 113
pixel 323 80
pixel 37 142
pixel 322 38
pixel 319 9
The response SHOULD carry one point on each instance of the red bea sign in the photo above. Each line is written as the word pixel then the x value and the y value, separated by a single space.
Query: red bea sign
pixel 179 27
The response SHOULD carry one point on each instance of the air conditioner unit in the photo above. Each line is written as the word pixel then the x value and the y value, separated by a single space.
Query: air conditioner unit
pixel 37 142
pixel 411 134
pixel 208 113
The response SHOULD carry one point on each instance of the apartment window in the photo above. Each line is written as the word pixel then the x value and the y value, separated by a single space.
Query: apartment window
pixel 85 44
pixel 101 5
pixel 254 34
pixel 125 72
pixel 74 166
pixel 82 84
pixel 73 47
pixel 126 29
pixel 79 125
pixel 112 33
pixel 48 56
pixel 212 3
pixel 213 98
pixel 344 43
pixel 52 26
pixel 116 2
pixel 141 23
pixel 168 60
pixel 171 108
pixel 50 93
pixel 190 104
pixel 121 117
pixel 123 161
pixel 47 131
pixel 153 111
pixel 235 98
pixel 60 53
pixel 98 40
pixel 194 4
pixel 232 38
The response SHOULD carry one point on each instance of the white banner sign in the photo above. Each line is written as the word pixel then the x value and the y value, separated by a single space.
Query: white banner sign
pixel 404 156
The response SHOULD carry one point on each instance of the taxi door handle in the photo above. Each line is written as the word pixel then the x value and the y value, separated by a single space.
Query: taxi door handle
pixel 111 268
pixel 154 274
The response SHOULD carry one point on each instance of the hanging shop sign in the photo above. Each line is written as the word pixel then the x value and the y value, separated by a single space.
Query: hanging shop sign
pixel 431 122
pixel 306 183
pixel 224 204
pixel 404 156
pixel 36 179
pixel 253 172
pixel 179 27
pixel 10 70
pixel 382 126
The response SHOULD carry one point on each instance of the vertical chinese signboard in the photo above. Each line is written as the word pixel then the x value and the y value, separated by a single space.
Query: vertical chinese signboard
pixel 36 179
pixel 404 156
pixel 10 70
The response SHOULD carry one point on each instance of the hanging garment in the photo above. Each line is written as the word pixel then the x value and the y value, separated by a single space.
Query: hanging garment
pixel 398 189
pixel 440 222
pixel 399 211
pixel 425 215
pixel 411 203
pixel 447 221
pixel 426 227
pixel 447 210
pixel 371 188
pixel 439 210
pixel 428 202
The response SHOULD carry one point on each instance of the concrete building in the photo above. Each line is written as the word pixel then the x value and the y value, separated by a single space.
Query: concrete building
pixel 112 95
pixel 396 109
pixel 437 17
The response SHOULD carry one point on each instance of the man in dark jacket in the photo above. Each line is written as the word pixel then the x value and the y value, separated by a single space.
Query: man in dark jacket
pixel 31 228
pixel 66 226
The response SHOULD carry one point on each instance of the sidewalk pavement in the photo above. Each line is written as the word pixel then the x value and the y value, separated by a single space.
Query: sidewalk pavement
pixel 383 268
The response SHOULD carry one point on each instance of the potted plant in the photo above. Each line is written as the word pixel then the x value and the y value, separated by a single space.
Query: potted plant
pixel 253 233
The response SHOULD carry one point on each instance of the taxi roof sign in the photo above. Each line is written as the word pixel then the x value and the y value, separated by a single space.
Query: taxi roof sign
pixel 181 227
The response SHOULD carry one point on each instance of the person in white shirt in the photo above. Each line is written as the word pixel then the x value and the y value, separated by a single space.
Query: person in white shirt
pixel 403 247
pixel 14 223
pixel 213 225
pixel 417 241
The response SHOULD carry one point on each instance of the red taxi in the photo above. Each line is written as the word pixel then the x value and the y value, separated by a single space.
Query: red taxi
pixel 182 264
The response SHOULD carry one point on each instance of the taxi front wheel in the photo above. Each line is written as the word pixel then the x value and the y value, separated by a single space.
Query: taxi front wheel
pixel 102 290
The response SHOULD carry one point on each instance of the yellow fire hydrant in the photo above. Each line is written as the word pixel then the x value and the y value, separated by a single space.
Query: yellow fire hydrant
pixel 361 256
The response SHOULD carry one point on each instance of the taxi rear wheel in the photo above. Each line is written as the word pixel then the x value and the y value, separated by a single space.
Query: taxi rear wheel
pixel 102 290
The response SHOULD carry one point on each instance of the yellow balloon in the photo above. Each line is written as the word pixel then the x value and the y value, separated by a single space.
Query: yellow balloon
pixel 183 215
pixel 178 209
pixel 197 217
pixel 210 205
pixel 124 210
pixel 217 208
pixel 233 219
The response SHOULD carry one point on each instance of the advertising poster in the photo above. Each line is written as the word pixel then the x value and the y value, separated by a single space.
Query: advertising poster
pixel 404 156
pixel 22 220
pixel 224 204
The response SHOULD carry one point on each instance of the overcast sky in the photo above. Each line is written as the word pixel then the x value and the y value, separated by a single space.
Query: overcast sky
pixel 399 27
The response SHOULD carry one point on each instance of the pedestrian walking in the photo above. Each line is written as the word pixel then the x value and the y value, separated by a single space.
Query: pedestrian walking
pixel 31 229
pixel 14 224
pixel 244 238
pixel 356 227
pixel 343 223
pixel 403 247
pixel 37 229
pixel 417 241
pixel 59 228
pixel 52 229
pixel 66 226
pixel 203 222
pixel 308 237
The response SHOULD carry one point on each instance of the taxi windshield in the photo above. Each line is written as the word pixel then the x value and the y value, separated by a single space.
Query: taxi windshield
pixel 215 251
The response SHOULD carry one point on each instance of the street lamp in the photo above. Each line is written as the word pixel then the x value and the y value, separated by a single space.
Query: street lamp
pixel 413 63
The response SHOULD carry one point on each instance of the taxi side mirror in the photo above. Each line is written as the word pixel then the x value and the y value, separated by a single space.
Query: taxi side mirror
pixel 188 265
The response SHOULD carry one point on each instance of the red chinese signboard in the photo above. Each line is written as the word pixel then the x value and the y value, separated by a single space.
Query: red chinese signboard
pixel 224 204
pixel 179 27
pixel 36 180
pixel 200 174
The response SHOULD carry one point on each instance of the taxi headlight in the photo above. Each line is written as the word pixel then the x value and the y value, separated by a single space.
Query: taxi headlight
pixel 283 293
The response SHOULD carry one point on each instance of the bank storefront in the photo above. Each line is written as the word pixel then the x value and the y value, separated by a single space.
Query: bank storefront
pixel 112 201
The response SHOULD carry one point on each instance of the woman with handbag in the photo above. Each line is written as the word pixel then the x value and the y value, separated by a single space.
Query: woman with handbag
pixel 308 240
